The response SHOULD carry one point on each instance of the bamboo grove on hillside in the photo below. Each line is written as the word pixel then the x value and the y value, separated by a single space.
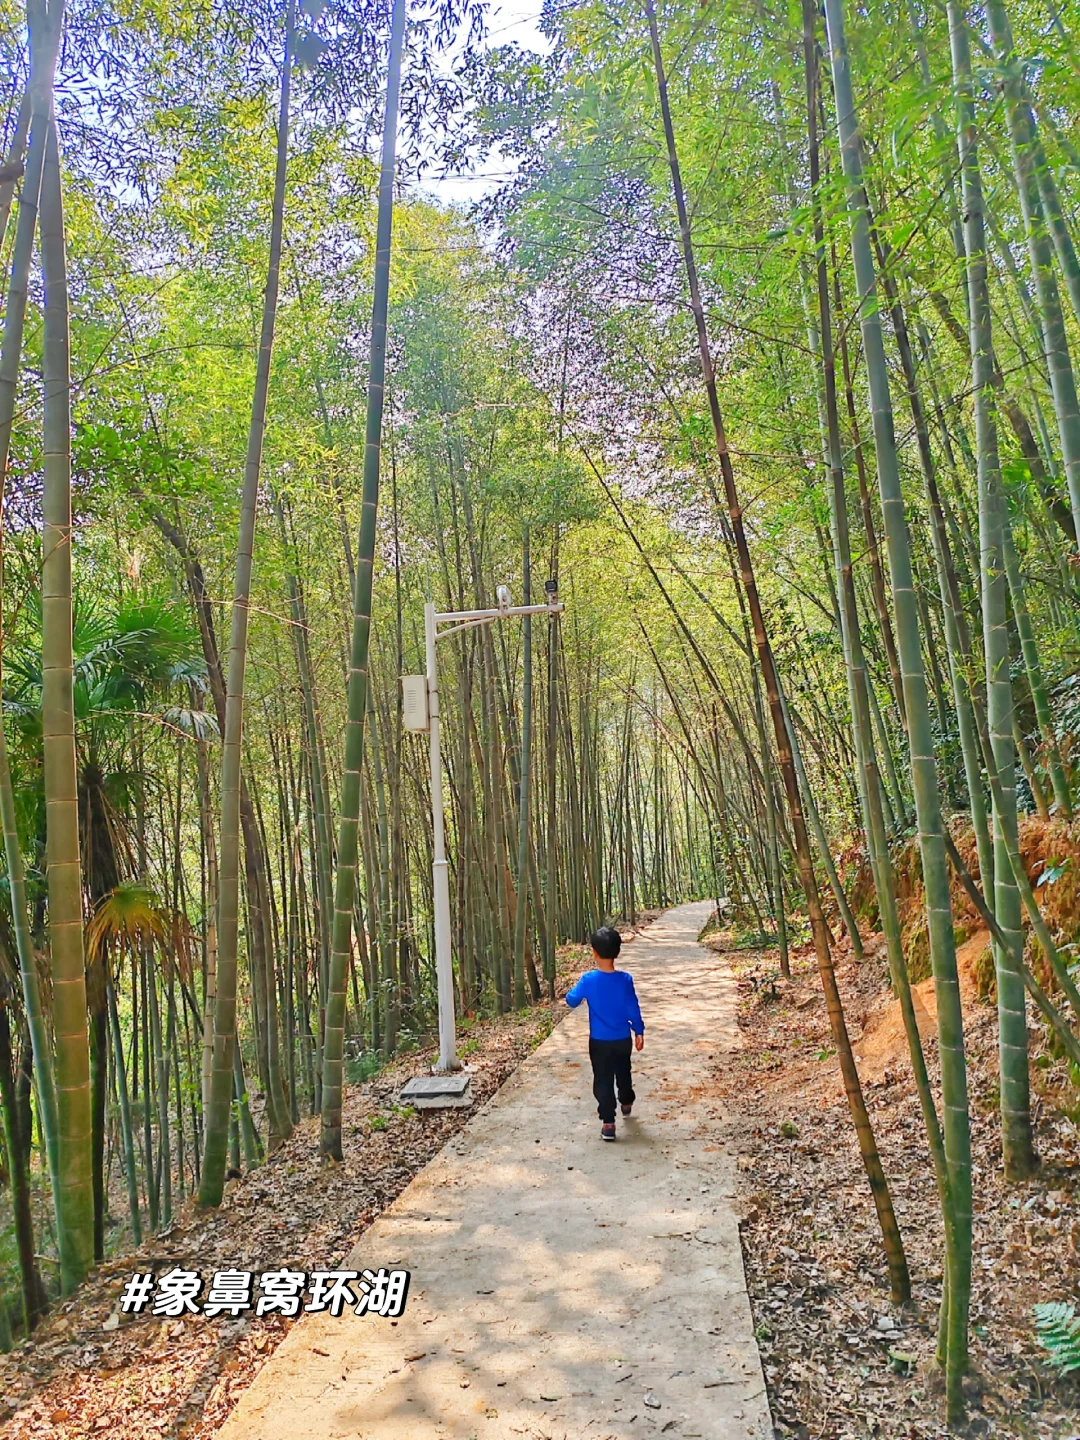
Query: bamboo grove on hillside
pixel 763 348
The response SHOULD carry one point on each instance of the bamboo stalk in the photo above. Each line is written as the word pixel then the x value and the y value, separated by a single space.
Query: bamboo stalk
pixel 357 690
pixel 898 1271
pixel 63 863
pixel 924 770
pixel 216 1138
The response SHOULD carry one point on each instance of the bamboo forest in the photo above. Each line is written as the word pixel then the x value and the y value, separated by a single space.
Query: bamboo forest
pixel 709 372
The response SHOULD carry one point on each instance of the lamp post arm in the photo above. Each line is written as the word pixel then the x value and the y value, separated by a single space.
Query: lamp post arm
pixel 482 617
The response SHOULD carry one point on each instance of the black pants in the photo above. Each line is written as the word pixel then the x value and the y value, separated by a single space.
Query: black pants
pixel 611 1068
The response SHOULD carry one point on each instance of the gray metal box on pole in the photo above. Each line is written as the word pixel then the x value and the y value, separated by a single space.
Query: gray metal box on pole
pixel 414 702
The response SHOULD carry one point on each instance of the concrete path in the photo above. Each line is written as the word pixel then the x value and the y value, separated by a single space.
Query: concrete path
pixel 562 1288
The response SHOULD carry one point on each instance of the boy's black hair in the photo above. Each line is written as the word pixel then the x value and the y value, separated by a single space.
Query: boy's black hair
pixel 607 942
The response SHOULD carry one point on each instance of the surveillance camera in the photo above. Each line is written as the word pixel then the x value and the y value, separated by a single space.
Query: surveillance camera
pixel 551 588
pixel 504 597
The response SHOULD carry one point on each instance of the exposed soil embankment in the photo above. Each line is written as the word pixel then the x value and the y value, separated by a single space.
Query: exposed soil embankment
pixel 883 1045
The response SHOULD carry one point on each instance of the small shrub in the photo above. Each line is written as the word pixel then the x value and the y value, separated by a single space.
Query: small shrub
pixel 985 975
pixel 1058 1329
pixel 754 940
pixel 362 1065
pixel 916 938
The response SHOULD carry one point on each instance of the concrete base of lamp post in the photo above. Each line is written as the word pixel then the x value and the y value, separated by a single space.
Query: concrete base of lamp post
pixel 450 1091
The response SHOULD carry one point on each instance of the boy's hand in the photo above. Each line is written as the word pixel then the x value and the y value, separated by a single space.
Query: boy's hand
pixel 639 1042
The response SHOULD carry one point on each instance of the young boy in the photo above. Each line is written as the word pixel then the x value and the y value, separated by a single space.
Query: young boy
pixel 613 1013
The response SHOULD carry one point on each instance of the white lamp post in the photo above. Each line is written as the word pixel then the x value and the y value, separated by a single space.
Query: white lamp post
pixel 421 712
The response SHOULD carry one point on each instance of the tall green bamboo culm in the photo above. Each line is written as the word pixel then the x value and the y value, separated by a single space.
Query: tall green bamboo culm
pixel 920 736
pixel 348 825
pixel 13 160
pixel 1036 679
pixel 1046 173
pixel 1016 1134
pixel 126 1133
pixel 16 1149
pixel 899 1277
pixel 970 719
pixel 64 870
pixel 1024 140
pixel 216 1132
pixel 43 59
pixel 870 788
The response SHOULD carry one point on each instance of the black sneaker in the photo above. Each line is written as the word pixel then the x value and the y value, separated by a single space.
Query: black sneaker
pixel 626 1109
pixel 607 1132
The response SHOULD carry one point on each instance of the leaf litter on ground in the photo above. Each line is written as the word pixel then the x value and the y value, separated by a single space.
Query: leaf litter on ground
pixel 85 1371
pixel 841 1361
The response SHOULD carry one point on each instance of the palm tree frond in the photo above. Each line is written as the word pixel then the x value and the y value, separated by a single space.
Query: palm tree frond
pixel 130 912
pixel 199 724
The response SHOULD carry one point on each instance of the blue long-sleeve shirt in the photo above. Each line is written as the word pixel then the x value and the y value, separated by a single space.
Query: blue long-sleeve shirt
pixel 613 1004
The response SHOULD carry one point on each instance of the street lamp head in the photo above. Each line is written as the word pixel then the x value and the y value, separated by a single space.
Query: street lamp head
pixel 504 597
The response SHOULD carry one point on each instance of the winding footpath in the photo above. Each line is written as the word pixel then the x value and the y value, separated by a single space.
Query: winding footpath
pixel 562 1289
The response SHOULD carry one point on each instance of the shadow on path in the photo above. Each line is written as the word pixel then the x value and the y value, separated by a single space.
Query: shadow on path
pixel 560 1287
